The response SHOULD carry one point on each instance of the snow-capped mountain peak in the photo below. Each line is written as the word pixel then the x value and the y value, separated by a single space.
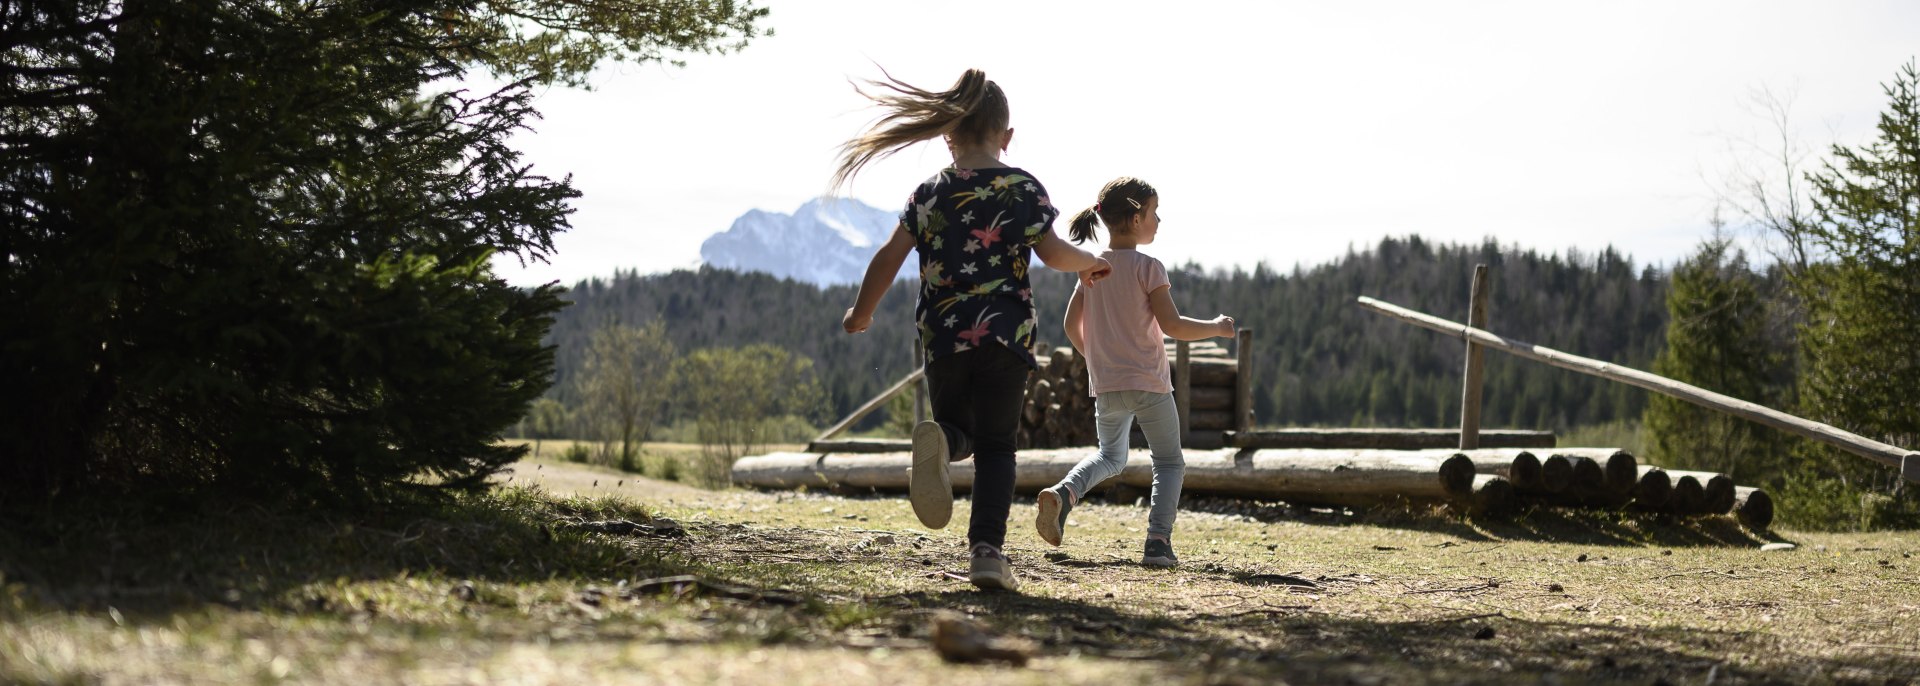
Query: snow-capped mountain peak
pixel 827 241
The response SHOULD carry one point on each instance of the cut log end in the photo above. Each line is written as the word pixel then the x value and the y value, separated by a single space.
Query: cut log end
pixel 1525 472
pixel 1753 507
pixel 1456 475
pixel 1556 473
pixel 1687 496
pixel 1622 472
pixel 1653 490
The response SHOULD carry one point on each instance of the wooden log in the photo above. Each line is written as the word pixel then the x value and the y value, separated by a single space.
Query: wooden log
pixel 1492 494
pixel 1687 496
pixel 1622 472
pixel 1556 473
pixel 1521 469
pixel 1753 507
pixel 1716 491
pixel 1470 389
pixel 1210 372
pixel 1203 349
pixel 1183 387
pixel 1324 477
pixel 1653 489
pixel 1210 398
pixel 1243 382
pixel 860 445
pixel 1907 461
pixel 1205 440
pixel 1386 439
pixel 1211 420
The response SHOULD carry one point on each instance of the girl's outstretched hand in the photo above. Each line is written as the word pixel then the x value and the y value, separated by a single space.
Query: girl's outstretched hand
pixel 855 324
pixel 1227 327
pixel 1101 269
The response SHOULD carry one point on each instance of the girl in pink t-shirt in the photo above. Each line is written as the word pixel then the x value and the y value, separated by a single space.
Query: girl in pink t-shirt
pixel 1118 323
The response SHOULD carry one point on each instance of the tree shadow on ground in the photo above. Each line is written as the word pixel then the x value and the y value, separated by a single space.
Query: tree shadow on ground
pixel 1294 644
pixel 154 559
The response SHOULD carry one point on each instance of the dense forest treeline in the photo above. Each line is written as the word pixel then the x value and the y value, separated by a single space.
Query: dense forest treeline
pixel 1319 358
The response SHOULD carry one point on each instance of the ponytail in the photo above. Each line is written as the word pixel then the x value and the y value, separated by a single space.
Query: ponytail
pixel 1119 200
pixel 973 108
pixel 1080 229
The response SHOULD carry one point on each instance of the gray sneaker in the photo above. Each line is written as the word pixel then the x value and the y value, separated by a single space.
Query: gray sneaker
pixel 990 569
pixel 928 485
pixel 1159 554
pixel 1054 504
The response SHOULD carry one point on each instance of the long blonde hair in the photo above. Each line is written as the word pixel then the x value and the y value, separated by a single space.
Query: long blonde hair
pixel 971 110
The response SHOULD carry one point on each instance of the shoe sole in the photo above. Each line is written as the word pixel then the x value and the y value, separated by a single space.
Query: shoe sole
pixel 993 581
pixel 1048 522
pixel 929 486
pixel 1159 562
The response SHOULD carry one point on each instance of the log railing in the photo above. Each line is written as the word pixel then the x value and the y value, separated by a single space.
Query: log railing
pixel 1907 461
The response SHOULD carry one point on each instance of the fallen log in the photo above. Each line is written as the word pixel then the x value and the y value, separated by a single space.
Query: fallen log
pixel 1386 439
pixel 1318 477
pixel 1520 468
pixel 860 445
pixel 1556 473
pixel 1491 495
pixel 1716 491
pixel 1687 496
pixel 1653 489
pixel 1753 507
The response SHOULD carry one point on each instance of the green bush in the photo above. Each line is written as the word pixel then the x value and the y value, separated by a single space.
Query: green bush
pixel 1809 501
pixel 578 452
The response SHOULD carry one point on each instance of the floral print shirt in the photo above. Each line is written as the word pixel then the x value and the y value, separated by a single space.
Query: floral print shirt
pixel 974 230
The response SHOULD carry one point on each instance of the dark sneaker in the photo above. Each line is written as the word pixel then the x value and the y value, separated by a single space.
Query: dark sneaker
pixel 1055 503
pixel 928 485
pixel 991 570
pixel 1159 554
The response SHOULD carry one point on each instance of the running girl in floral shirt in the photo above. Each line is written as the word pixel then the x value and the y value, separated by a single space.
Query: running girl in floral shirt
pixel 976 226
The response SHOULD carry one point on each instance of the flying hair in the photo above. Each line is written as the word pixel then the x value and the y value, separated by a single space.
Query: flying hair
pixel 971 110
pixel 1119 200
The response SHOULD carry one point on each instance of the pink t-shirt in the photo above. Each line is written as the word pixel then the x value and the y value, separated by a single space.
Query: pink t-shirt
pixel 1124 344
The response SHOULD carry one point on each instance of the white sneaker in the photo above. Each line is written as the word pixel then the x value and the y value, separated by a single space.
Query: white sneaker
pixel 928 485
pixel 990 569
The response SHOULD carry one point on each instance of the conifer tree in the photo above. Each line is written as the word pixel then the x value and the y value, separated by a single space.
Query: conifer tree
pixel 1715 339
pixel 1863 298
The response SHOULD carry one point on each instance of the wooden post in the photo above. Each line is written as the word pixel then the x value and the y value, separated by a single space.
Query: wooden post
pixel 1183 387
pixel 1883 453
pixel 1243 382
pixel 921 394
pixel 1470 393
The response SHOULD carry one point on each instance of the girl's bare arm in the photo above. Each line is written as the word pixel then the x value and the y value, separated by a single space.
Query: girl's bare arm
pixel 1184 328
pixel 880 272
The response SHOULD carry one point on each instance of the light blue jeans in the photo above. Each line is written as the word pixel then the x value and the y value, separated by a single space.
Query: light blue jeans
pixel 1114 413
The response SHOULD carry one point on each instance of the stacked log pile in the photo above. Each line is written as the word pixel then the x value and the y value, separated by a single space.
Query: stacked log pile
pixel 1059 411
pixel 1486 480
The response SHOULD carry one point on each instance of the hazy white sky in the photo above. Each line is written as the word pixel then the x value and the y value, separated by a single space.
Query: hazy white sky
pixel 1275 131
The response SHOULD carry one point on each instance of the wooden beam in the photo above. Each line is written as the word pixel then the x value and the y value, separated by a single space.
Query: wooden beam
pixel 873 404
pixel 1470 391
pixel 1243 381
pixel 1183 387
pixel 1404 439
pixel 1883 453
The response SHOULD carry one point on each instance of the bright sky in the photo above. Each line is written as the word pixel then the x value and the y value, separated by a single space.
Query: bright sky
pixel 1276 132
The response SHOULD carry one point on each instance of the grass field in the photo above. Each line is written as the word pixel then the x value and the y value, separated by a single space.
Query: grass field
pixel 520 586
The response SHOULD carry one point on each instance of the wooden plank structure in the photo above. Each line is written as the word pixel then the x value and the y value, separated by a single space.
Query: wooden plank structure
pixel 1907 461
pixel 1471 469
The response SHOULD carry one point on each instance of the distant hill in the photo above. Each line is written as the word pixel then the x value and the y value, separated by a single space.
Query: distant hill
pixel 826 242
pixel 1319 359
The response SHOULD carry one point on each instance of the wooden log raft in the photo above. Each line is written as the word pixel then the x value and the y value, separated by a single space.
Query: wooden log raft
pixel 1318 477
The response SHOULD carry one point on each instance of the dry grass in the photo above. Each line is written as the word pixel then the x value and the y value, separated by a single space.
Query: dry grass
pixel 844 588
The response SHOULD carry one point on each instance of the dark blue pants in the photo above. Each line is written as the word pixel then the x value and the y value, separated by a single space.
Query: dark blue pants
pixel 977 398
